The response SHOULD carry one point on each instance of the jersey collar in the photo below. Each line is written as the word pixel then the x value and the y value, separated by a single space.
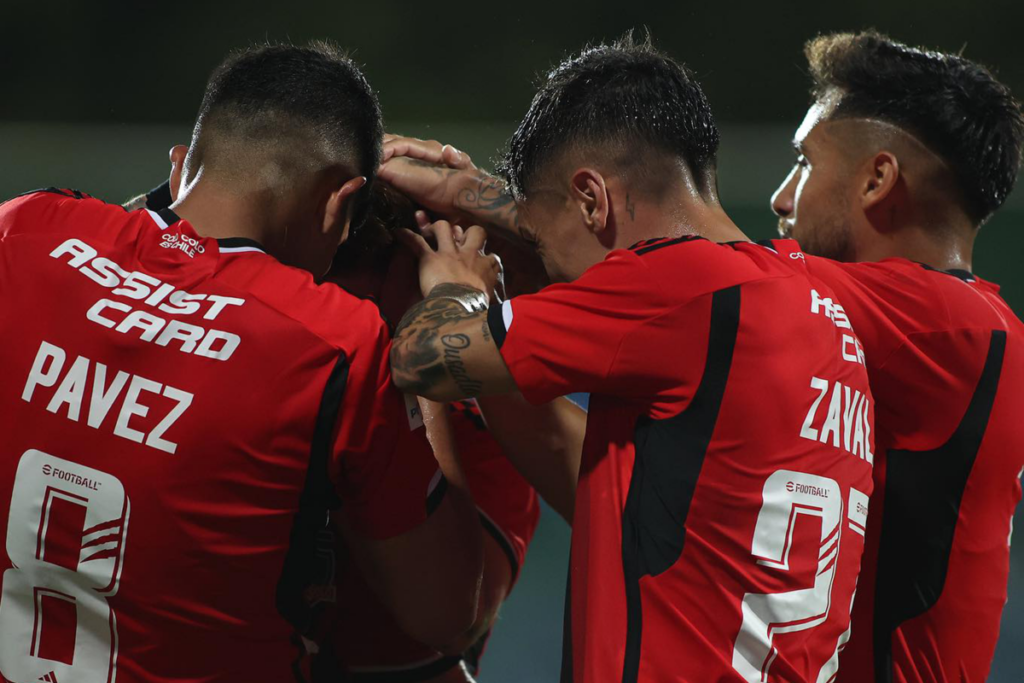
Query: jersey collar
pixel 965 275
pixel 229 245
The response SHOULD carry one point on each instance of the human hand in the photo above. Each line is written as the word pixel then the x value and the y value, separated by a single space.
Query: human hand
pixel 447 183
pixel 458 259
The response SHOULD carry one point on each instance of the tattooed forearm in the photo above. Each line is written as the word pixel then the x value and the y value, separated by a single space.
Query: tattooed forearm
pixel 454 344
pixel 426 350
pixel 479 196
pixel 489 200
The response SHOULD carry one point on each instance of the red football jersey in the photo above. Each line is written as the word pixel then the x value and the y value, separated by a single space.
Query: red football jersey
pixel 365 639
pixel 727 463
pixel 945 357
pixel 174 412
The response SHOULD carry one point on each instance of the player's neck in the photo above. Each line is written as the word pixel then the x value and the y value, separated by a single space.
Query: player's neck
pixel 218 214
pixel 684 215
pixel 950 249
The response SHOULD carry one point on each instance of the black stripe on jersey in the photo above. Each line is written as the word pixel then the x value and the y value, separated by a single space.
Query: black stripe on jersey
pixel 923 490
pixel 567 665
pixel 965 275
pixel 496 321
pixel 669 457
pixel 435 497
pixel 468 409
pixel 318 497
pixel 471 657
pixel 665 243
pixel 170 218
pixel 325 665
pixel 503 543
pixel 644 243
pixel 70 194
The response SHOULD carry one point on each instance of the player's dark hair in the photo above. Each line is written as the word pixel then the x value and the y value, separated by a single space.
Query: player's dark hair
pixel 389 210
pixel 951 104
pixel 627 93
pixel 314 97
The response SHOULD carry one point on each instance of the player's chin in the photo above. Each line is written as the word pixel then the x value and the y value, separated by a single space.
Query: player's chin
pixel 785 230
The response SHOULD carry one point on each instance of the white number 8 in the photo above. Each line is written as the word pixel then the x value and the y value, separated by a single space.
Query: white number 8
pixel 65 537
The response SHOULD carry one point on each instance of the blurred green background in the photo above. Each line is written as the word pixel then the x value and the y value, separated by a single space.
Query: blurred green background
pixel 94 94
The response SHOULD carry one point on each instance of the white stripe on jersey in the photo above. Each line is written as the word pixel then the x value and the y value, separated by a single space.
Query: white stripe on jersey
pixel 236 250
pixel 157 219
pixel 506 313
pixel 434 481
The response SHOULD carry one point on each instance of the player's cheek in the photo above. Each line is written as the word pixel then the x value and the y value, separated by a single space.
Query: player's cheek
pixel 807 197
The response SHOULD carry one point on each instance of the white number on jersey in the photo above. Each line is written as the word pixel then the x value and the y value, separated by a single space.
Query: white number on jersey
pixel 66 535
pixel 787 495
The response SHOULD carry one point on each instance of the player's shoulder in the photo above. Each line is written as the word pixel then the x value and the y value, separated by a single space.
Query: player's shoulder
pixel 55 199
pixel 324 309
pixel 932 299
pixel 766 258
pixel 55 209
pixel 691 266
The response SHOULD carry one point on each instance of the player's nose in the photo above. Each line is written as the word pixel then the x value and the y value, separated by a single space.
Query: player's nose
pixel 782 199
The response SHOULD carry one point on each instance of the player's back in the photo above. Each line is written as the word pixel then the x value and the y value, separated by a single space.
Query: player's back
pixel 717 533
pixel 160 426
pixel 945 358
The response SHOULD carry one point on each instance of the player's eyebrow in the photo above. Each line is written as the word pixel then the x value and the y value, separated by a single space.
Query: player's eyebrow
pixel 797 147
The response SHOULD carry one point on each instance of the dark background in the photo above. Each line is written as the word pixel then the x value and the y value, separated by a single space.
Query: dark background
pixel 93 94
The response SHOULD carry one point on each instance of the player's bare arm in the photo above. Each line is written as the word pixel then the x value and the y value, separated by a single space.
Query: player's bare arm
pixel 497 574
pixel 135 203
pixel 443 348
pixel 448 183
pixel 430 577
pixel 544 443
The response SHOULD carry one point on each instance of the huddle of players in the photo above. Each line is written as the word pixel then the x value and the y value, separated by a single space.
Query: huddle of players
pixel 719 489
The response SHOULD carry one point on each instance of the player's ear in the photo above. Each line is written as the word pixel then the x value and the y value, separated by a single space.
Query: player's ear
pixel 588 191
pixel 882 193
pixel 178 154
pixel 340 207
pixel 880 180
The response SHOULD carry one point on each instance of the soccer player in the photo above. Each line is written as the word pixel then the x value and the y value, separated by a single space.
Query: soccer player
pixel 727 463
pixel 364 640
pixel 902 156
pixel 182 404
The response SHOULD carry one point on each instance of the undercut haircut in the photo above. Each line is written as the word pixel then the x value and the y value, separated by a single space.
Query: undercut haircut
pixel 952 105
pixel 274 110
pixel 626 94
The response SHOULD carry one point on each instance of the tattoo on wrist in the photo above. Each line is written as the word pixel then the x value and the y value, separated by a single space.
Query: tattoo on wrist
pixel 491 201
pixel 425 352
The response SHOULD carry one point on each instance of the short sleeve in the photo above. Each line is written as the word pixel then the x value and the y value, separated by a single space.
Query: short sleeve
pixel 15 215
pixel 54 210
pixel 383 466
pixel 567 337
